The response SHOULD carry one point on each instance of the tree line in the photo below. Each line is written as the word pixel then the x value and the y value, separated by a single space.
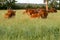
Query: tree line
pixel 5 4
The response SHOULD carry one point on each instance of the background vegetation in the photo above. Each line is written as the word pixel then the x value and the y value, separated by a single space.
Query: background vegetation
pixel 4 4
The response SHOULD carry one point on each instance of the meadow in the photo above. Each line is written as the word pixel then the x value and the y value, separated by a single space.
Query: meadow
pixel 22 27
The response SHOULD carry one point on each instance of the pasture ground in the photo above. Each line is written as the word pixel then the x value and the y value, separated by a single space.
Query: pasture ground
pixel 22 27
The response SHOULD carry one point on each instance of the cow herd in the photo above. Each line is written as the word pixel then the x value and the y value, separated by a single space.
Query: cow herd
pixel 39 13
pixel 33 13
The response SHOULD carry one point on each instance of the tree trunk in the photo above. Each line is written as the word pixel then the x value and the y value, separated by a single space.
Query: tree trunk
pixel 46 5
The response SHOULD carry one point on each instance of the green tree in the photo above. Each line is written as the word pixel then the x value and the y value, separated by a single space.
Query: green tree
pixel 59 3
pixel 54 3
pixel 10 3
pixel 3 0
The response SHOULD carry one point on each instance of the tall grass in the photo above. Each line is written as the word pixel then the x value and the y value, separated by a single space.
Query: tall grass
pixel 22 27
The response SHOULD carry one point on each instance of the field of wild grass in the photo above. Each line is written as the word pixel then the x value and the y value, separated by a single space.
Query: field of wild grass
pixel 22 27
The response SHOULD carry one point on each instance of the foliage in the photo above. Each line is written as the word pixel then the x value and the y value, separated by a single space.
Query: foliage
pixel 13 5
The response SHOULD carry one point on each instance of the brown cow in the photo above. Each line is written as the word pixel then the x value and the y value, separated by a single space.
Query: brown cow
pixel 10 13
pixel 43 13
pixel 34 13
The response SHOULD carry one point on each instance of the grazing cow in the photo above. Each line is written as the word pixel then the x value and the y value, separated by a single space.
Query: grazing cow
pixel 10 13
pixel 34 13
pixel 30 11
pixel 43 13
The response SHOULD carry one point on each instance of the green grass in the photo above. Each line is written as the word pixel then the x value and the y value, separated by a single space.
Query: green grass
pixel 22 27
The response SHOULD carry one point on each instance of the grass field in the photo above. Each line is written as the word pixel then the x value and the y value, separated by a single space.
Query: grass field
pixel 22 27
